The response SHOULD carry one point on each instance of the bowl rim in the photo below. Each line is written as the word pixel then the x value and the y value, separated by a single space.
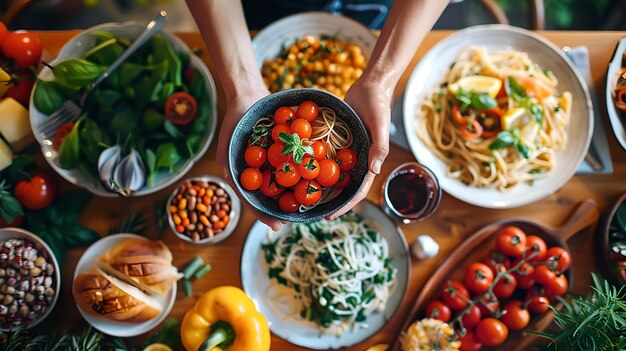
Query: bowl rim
pixel 280 214
pixel 603 239
pixel 615 120
pixel 19 233
pixel 234 214
pixel 63 54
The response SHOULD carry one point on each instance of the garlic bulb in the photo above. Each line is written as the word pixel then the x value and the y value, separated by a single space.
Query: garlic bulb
pixel 108 160
pixel 424 247
pixel 130 174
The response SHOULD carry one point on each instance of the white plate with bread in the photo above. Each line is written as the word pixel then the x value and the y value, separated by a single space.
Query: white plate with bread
pixel 125 285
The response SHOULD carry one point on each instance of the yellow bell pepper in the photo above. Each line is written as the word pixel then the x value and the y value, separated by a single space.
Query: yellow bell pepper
pixel 225 318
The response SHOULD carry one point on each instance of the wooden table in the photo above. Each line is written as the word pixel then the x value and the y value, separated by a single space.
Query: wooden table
pixel 452 222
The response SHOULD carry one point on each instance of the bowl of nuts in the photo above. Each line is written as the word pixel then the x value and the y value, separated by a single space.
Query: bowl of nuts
pixel 29 279
pixel 203 210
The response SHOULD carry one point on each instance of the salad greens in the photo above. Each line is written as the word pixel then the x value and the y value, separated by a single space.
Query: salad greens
pixel 128 108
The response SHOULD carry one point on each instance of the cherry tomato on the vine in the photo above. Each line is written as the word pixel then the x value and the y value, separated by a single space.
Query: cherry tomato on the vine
pixel 284 115
pixel 23 47
pixel 478 277
pixel 454 295
pixel 488 305
pixel 438 310
pixel 511 241
pixel 525 277
pixel 557 287
pixel 308 110
pixel 280 128
pixel 561 256
pixel 491 332
pixel 287 174
pixel 469 342
pixel 539 304
pixel 275 156
pixel 288 203
pixel 472 317
pixel 308 192
pixel 329 172
pixel 309 168
pixel 346 159
pixel 543 274
pixel 516 317
pixel 36 193
pixel 505 287
pixel 302 127
pixel 251 179
pixel 255 156
pixel 537 247
pixel 269 186
pixel 319 150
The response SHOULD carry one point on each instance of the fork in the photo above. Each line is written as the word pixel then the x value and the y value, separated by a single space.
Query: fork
pixel 70 111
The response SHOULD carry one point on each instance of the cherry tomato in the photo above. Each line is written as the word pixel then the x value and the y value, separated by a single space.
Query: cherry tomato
pixel 478 277
pixel 274 156
pixel 280 128
pixel 251 179
pixel 561 256
pixel 255 156
pixel 309 168
pixel 329 172
pixel 308 192
pixel 319 150
pixel 3 32
pixel 16 222
pixel 284 115
pixel 539 304
pixel 288 203
pixel 61 133
pixel 22 47
pixel 516 317
pixel 543 274
pixel 287 174
pixel 302 127
pixel 20 91
pixel 505 287
pixel 308 110
pixel 344 180
pixel 536 245
pixel 491 332
pixel 469 342
pixel 525 277
pixel 497 262
pixel 488 304
pixel 181 108
pixel 36 193
pixel 438 310
pixel 454 295
pixel 511 241
pixel 270 187
pixel 346 159
pixel 557 287
pixel 472 317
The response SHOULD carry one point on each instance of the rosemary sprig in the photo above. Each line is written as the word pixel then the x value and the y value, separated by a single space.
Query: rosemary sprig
pixel 135 223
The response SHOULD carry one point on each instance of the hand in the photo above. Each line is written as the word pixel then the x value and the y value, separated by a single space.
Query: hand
pixel 372 102
pixel 237 105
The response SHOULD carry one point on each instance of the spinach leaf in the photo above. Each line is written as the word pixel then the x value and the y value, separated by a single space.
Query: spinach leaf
pixel 151 164
pixel 152 119
pixel 107 97
pixel 129 72
pixel 47 97
pixel 90 140
pixel 69 152
pixel 123 122
pixel 172 130
pixel 167 156
pixel 77 72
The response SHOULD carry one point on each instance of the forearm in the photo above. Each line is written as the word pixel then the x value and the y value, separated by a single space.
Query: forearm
pixel 406 26
pixel 224 30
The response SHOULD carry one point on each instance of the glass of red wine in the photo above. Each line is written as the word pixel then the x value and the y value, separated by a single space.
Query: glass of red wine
pixel 411 193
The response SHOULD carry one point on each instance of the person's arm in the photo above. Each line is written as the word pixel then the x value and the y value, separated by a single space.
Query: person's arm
pixel 225 33
pixel 371 95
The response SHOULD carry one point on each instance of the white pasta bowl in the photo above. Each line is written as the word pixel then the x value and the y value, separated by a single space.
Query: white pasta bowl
pixel 431 70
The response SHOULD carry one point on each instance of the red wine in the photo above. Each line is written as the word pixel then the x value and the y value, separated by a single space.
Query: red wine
pixel 409 192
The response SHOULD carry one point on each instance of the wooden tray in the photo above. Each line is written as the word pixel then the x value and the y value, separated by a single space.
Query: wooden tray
pixel 480 244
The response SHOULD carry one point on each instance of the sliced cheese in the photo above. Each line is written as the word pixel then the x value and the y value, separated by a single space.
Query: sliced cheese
pixel 6 155
pixel 4 81
pixel 15 123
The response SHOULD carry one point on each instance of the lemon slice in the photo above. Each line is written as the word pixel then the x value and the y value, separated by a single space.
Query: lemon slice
pixel 379 347
pixel 157 347
pixel 477 84
pixel 515 118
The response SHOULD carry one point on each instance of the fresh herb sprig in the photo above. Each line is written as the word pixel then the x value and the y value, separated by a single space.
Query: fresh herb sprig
pixel 516 91
pixel 479 101
pixel 294 146
pixel 10 207
pixel 510 138
pixel 135 223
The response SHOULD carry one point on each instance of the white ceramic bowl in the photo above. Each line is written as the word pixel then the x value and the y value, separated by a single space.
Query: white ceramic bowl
pixel 88 262
pixel 270 41
pixel 76 48
pixel 430 72
pixel 616 117
pixel 41 246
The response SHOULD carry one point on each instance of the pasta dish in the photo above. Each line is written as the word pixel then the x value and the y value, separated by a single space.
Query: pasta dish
pixel 496 120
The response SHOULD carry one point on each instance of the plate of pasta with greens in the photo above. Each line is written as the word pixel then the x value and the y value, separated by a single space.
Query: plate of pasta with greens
pixel 499 115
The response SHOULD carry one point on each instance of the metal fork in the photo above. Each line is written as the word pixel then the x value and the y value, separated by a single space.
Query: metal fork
pixel 70 111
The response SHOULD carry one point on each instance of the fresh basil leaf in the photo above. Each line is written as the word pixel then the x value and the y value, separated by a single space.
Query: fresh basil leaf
pixel 167 156
pixel 503 139
pixel 69 152
pixel 20 168
pixel 513 86
pixel 522 149
pixel 129 72
pixel 78 72
pixel 288 149
pixel 285 138
pixel 47 97
pixel 537 112
pixel 77 236
pixel 483 101
pixel 90 140
pixel 107 97
pixel 172 130
pixel 10 207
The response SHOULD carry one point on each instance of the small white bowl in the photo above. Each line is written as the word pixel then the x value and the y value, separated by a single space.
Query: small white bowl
pixel 40 245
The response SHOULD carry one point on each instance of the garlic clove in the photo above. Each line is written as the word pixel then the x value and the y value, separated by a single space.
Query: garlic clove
pixel 130 174
pixel 424 247
pixel 107 161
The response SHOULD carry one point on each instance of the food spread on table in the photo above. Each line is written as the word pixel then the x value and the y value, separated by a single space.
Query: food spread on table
pixel 620 87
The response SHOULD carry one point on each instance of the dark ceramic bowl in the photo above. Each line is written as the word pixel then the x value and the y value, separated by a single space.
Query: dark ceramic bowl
pixel 606 258
pixel 266 107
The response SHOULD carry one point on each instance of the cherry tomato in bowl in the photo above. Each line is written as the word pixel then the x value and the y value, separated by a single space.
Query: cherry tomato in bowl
pixel 181 108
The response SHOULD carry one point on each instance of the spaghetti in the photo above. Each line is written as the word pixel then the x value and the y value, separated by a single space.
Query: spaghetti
pixel 496 119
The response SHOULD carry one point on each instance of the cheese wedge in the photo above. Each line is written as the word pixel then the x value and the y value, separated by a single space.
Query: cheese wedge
pixel 6 155
pixel 4 78
pixel 15 123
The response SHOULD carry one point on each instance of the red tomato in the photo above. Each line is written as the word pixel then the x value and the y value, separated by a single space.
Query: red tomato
pixel 308 110
pixel 346 159
pixel 543 274
pixel 438 310
pixel 36 193
pixel 491 332
pixel 287 174
pixel 181 108
pixel 251 179
pixel 255 156
pixel 61 133
pixel 22 47
pixel 20 91
pixel 539 304
pixel 284 115
pixel 497 262
pixel 280 128
pixel 525 277
pixel 269 186
pixel 561 256
pixel 505 287
pixel 275 156
pixel 511 241
pixel 288 202
pixel 537 246
pixel 319 150
pixel 469 342
pixel 308 192
pixel 478 277
pixel 309 168
pixel 344 180
pixel 454 295
pixel 16 222
pixel 3 32
pixel 488 305
pixel 472 317
pixel 329 172
pixel 515 317
pixel 557 287
pixel 302 127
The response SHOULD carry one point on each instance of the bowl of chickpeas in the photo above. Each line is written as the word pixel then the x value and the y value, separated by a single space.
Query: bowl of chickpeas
pixel 313 50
